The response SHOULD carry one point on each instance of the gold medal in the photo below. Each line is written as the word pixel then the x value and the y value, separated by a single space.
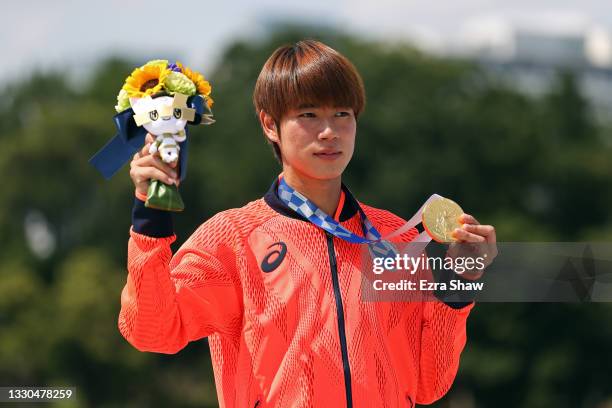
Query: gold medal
pixel 440 218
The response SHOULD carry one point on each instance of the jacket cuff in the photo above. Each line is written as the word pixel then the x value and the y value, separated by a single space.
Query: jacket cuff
pixel 151 222
pixel 456 299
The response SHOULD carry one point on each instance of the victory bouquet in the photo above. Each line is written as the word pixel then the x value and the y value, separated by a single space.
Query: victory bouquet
pixel 160 98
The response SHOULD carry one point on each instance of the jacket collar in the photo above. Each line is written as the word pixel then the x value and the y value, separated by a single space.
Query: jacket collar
pixel 349 209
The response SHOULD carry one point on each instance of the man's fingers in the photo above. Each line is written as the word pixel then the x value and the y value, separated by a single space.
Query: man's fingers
pixel 465 236
pixel 156 162
pixel 146 166
pixel 149 173
pixel 468 219
pixel 145 150
pixel 484 230
pixel 149 139
pixel 487 231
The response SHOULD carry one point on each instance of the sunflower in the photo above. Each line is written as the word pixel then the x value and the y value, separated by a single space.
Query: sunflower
pixel 146 80
pixel 202 85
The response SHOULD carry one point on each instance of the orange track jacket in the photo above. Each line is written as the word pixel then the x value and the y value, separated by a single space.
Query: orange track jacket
pixel 279 300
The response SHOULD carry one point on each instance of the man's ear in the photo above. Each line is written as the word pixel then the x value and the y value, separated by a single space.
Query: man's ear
pixel 269 126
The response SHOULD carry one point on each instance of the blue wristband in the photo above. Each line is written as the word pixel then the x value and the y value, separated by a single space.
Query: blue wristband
pixel 151 222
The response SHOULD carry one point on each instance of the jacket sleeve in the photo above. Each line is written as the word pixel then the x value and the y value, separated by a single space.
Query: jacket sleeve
pixel 443 337
pixel 443 329
pixel 443 326
pixel 168 300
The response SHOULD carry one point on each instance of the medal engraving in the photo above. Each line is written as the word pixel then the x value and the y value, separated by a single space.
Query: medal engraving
pixel 440 218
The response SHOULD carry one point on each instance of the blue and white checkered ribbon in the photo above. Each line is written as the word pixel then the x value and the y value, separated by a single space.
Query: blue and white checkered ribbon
pixel 307 209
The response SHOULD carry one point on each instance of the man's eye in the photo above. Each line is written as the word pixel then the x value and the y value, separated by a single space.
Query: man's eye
pixel 339 114
pixel 307 115
pixel 178 113
pixel 153 115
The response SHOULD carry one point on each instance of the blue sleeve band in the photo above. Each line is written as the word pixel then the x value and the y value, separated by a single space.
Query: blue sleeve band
pixel 151 222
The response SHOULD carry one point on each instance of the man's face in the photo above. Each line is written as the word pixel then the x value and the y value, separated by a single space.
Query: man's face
pixel 317 142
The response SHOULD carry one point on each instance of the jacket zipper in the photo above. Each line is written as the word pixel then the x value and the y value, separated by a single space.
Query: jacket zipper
pixel 340 315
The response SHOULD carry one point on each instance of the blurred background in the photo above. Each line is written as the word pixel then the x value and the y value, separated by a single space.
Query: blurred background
pixel 502 106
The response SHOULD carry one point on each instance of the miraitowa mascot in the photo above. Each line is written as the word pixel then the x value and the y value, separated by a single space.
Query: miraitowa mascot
pixel 159 98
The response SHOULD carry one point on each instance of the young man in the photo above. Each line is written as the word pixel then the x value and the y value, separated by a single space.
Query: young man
pixel 278 296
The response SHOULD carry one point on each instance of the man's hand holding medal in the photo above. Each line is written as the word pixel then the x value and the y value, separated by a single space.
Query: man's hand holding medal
pixel 445 222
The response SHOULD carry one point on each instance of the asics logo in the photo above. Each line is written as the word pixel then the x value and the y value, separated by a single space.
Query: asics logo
pixel 274 258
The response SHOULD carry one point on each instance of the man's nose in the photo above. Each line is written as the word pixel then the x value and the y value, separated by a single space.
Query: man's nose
pixel 328 132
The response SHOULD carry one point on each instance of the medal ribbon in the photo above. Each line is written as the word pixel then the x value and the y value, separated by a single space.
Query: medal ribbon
pixel 378 247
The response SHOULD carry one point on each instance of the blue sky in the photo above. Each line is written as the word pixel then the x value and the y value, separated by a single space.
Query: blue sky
pixel 47 34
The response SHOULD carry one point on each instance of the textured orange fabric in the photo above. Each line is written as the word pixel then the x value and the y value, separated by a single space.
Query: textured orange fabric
pixel 340 206
pixel 274 337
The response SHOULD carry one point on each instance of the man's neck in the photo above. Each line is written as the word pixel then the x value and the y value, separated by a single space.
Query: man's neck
pixel 325 194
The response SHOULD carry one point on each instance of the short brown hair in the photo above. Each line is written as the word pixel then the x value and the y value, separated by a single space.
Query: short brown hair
pixel 307 72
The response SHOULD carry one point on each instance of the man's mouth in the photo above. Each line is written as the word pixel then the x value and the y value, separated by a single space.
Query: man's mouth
pixel 328 153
